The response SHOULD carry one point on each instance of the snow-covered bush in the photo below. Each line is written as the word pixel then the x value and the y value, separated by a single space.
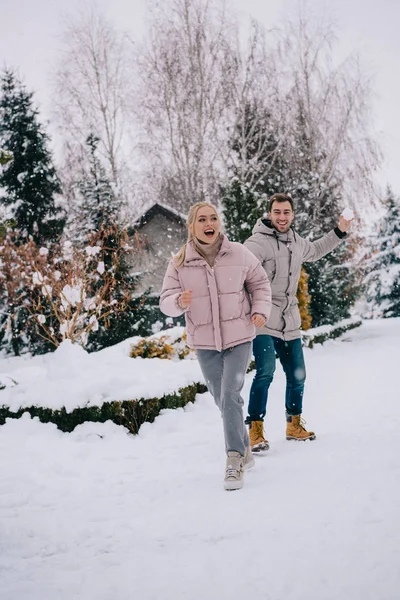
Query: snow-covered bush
pixel 172 345
pixel 61 291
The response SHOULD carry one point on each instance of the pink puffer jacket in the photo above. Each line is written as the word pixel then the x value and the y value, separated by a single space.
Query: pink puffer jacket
pixel 224 296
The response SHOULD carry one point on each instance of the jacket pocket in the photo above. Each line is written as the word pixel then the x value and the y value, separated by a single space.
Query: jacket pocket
pixel 231 305
pixel 270 268
pixel 200 311
pixel 275 320
pixel 190 326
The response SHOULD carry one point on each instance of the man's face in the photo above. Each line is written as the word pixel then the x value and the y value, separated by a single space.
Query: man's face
pixel 281 216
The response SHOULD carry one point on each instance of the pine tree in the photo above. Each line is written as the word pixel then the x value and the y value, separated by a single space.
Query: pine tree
pixel 333 281
pixel 255 174
pixel 291 166
pixel 383 277
pixel 333 286
pixel 241 208
pixel 29 182
pixel 96 202
pixel 96 212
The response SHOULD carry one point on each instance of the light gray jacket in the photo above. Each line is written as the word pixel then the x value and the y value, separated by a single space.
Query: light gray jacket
pixel 281 255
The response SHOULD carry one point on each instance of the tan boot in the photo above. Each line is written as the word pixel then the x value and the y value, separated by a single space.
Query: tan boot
pixel 258 442
pixel 295 429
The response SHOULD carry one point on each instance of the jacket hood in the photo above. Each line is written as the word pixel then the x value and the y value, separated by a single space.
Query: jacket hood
pixel 265 226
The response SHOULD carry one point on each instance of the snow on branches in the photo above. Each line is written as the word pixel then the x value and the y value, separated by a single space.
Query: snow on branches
pixel 66 290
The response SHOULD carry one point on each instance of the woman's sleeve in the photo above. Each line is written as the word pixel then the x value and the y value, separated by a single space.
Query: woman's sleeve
pixel 258 286
pixel 171 290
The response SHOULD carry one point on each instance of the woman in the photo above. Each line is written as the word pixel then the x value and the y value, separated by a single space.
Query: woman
pixel 225 294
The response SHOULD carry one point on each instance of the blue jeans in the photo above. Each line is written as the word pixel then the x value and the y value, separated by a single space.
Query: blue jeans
pixel 290 354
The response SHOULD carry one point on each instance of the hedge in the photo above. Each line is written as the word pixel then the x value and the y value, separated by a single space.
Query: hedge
pixel 129 413
pixel 133 413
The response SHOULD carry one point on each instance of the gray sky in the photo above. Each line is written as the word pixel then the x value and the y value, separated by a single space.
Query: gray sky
pixel 30 29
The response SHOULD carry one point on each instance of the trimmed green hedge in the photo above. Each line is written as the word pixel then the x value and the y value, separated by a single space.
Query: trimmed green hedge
pixel 324 333
pixel 133 413
pixel 129 413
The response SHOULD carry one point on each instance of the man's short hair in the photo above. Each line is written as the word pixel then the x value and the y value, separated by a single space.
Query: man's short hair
pixel 280 198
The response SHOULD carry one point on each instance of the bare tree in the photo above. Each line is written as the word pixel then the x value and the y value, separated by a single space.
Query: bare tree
pixel 92 90
pixel 187 70
pixel 329 107
pixel 256 129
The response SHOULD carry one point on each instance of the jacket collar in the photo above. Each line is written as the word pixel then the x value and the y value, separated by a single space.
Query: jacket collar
pixel 195 259
pixel 264 226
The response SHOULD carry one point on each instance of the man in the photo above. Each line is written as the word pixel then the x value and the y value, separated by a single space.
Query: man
pixel 281 251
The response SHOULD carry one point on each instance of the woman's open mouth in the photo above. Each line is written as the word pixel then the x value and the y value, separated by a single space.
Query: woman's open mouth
pixel 209 233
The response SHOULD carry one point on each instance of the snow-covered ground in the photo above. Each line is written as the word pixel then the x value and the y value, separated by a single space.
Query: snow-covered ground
pixel 101 515
pixel 71 377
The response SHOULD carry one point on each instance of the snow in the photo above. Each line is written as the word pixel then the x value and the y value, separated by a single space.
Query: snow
pixel 99 514
pixel 348 214
pixel 71 295
pixel 72 377
pixel 92 250
pixel 37 278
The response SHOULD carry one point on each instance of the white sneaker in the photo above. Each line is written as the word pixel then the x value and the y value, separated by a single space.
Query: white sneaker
pixel 249 461
pixel 234 471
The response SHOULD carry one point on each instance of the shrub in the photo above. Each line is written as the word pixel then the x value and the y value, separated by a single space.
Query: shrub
pixel 166 346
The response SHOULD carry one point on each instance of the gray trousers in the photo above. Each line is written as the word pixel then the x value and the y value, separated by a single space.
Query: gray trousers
pixel 224 373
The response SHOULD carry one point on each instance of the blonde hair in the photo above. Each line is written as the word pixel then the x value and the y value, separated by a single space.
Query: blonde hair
pixel 179 258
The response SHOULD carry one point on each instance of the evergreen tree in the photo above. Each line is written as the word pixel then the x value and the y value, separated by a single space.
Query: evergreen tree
pixel 119 324
pixel 29 182
pixel 265 163
pixel 333 287
pixel 96 202
pixel 383 277
pixel 255 173
pixel 241 209
pixel 96 213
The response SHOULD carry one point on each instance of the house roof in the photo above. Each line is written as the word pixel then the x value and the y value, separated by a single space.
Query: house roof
pixel 160 209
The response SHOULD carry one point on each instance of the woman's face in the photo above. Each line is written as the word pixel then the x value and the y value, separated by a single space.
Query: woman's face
pixel 206 226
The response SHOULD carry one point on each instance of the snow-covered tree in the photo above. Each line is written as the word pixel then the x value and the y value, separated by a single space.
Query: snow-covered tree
pixel 300 139
pixel 94 201
pixel 256 171
pixel 96 210
pixel 93 92
pixel 28 184
pixel 382 282
pixel 187 70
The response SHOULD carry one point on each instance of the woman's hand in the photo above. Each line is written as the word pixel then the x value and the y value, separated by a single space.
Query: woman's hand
pixel 185 299
pixel 258 320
